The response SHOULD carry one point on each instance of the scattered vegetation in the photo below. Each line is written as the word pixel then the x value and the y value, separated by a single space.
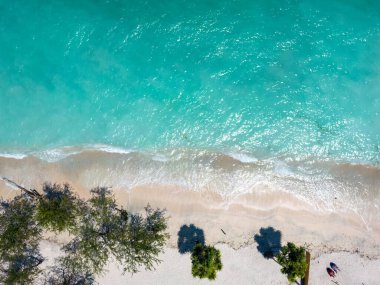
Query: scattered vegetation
pixel 206 261
pixel 19 240
pixel 293 261
pixel 100 230
pixel 105 230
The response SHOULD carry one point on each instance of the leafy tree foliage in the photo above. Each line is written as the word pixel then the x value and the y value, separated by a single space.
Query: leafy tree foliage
pixel 58 208
pixel 20 268
pixel 293 261
pixel 107 231
pixel 60 274
pixel 142 240
pixel 19 240
pixel 89 251
pixel 101 230
pixel 206 261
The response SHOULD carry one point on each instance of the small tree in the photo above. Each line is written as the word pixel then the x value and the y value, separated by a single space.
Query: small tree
pixel 19 240
pixel 58 208
pixel 89 251
pixel 293 261
pixel 142 240
pixel 106 231
pixel 206 261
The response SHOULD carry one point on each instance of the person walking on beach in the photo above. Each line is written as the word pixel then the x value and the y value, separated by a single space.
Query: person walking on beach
pixel 334 267
pixel 330 272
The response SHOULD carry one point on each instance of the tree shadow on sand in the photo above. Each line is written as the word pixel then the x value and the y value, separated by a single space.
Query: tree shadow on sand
pixel 269 242
pixel 188 236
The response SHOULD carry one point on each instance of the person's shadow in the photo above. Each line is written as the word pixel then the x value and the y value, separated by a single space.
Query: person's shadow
pixel 188 236
pixel 269 242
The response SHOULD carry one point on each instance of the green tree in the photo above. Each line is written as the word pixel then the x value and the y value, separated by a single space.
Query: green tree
pixel 206 261
pixel 60 274
pixel 58 209
pixel 101 230
pixel 293 261
pixel 106 230
pixel 20 268
pixel 19 241
pixel 90 250
pixel 142 240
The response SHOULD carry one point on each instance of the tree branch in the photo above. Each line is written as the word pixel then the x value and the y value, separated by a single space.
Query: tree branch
pixel 31 193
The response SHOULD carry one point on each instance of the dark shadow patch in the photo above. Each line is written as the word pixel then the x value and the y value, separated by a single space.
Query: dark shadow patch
pixel 56 191
pixel 188 236
pixel 269 242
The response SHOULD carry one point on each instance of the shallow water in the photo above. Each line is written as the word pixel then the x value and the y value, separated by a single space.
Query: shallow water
pixel 285 89
pixel 271 78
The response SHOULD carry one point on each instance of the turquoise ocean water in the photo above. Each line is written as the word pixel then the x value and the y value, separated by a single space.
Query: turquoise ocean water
pixel 258 80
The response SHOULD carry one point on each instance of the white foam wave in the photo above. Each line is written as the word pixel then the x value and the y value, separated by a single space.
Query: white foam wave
pixel 282 169
pixel 160 158
pixel 13 155
pixel 56 154
pixel 53 155
pixel 245 158
pixel 107 148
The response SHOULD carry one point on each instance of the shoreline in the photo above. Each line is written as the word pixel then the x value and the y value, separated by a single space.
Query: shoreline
pixel 162 154
pixel 241 219
pixel 212 185
pixel 342 234
pixel 243 216
pixel 325 185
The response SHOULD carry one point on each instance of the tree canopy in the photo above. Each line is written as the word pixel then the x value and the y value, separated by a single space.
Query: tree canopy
pixel 19 241
pixel 105 230
pixel 206 261
pixel 293 261
pixel 58 208
pixel 99 229
pixel 60 274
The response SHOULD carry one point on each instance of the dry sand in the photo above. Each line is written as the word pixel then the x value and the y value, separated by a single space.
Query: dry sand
pixel 245 266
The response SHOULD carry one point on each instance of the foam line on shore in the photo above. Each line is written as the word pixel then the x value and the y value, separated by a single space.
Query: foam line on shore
pixel 326 186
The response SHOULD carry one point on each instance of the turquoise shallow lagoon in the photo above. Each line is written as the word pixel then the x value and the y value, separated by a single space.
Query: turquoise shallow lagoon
pixel 220 95
pixel 269 78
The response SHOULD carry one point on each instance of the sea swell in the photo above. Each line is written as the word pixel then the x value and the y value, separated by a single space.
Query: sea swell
pixel 282 80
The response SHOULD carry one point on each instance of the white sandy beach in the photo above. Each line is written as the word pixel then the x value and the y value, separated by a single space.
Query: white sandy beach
pixel 341 237
pixel 245 266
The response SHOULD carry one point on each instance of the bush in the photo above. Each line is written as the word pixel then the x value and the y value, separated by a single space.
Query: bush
pixel 293 261
pixel 206 261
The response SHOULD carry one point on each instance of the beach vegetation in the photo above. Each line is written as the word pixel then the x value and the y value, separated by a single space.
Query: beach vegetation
pixel 61 274
pixel 100 230
pixel 133 240
pixel 58 209
pixel 20 235
pixel 206 261
pixel 20 268
pixel 292 259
